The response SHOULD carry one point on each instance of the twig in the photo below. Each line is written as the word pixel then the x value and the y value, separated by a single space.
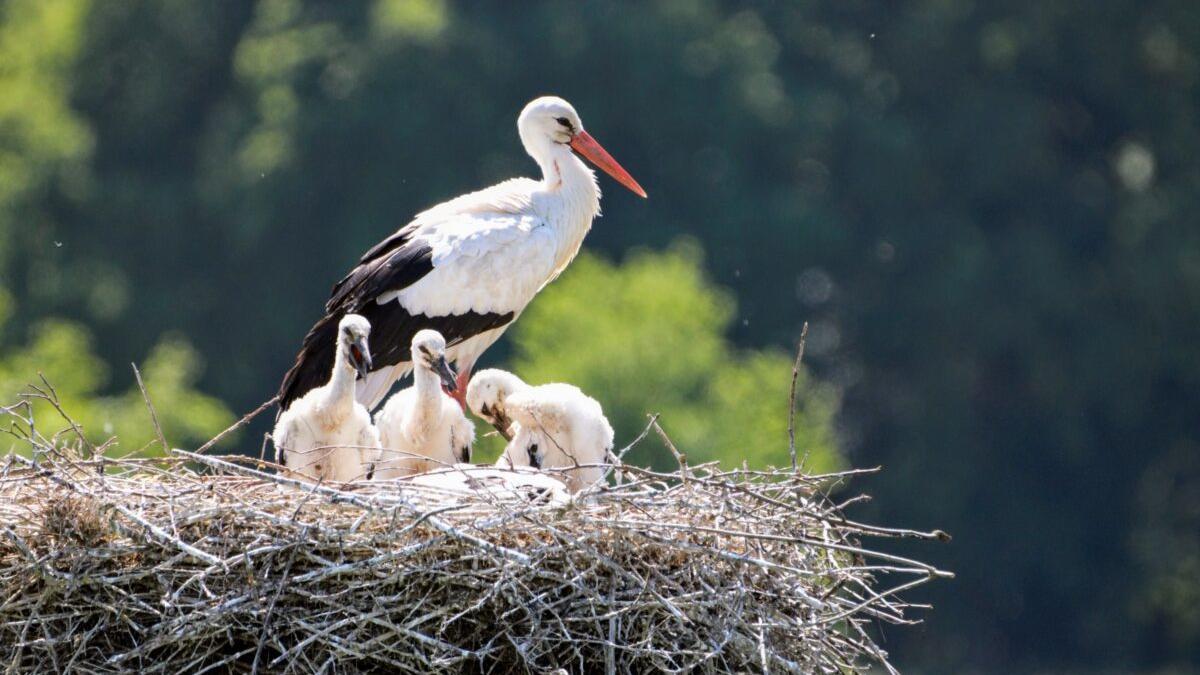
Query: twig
pixel 238 424
pixel 150 406
pixel 620 455
pixel 679 456
pixel 52 398
pixel 792 403
pixel 266 622
pixel 437 523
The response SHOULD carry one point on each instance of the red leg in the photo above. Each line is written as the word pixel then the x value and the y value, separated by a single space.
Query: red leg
pixel 460 391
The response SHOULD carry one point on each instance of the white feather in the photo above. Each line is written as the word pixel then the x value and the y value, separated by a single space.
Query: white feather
pixel 325 434
pixel 409 446
pixel 523 486
pixel 421 428
pixel 562 426
pixel 493 250
pixel 374 387
pixel 494 262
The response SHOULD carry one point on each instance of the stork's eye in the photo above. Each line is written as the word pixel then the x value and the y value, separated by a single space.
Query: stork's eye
pixel 564 121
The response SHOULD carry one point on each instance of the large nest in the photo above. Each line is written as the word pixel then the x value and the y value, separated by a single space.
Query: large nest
pixel 193 563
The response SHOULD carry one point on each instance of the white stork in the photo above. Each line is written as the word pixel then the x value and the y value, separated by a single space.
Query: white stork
pixel 553 426
pixel 326 433
pixel 468 267
pixel 422 421
pixel 487 397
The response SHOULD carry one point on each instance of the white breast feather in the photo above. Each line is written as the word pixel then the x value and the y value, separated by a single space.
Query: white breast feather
pixel 492 250
pixel 493 264
pixel 404 446
pixel 568 427
pixel 317 446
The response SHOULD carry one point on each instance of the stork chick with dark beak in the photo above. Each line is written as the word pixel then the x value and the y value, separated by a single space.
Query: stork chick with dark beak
pixel 326 434
pixel 422 427
pixel 550 426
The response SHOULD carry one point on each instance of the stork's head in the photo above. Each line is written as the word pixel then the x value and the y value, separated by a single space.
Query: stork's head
pixel 549 122
pixel 353 331
pixel 487 392
pixel 429 353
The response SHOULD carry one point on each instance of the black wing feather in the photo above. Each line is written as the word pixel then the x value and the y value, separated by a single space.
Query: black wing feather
pixel 395 263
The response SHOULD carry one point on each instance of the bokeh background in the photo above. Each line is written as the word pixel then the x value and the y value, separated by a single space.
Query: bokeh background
pixel 986 211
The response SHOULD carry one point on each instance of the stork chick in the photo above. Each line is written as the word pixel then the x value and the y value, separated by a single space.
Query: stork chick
pixel 553 426
pixel 326 434
pixel 487 395
pixel 422 427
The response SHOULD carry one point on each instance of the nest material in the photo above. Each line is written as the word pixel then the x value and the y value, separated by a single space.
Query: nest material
pixel 196 563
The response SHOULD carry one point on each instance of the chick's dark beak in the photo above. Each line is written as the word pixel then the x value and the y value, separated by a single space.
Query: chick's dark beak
pixel 360 354
pixel 445 372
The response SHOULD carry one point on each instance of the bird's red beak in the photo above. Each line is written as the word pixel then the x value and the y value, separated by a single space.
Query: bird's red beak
pixel 585 145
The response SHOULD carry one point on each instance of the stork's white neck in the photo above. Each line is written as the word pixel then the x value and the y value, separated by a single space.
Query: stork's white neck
pixel 427 382
pixel 427 406
pixel 570 197
pixel 339 393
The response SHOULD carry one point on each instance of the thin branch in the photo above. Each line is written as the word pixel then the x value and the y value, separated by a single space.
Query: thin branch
pixel 150 406
pixel 679 456
pixel 238 424
pixel 792 403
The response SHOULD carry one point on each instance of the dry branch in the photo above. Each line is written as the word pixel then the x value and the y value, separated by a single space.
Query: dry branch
pixel 792 402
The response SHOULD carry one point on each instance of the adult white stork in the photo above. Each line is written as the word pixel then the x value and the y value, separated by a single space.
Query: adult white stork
pixel 467 267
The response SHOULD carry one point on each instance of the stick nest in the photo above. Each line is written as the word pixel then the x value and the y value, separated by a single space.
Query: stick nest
pixel 192 563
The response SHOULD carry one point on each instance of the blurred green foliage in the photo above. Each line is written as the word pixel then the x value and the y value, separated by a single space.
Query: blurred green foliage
pixel 62 353
pixel 984 210
pixel 45 144
pixel 42 140
pixel 650 336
